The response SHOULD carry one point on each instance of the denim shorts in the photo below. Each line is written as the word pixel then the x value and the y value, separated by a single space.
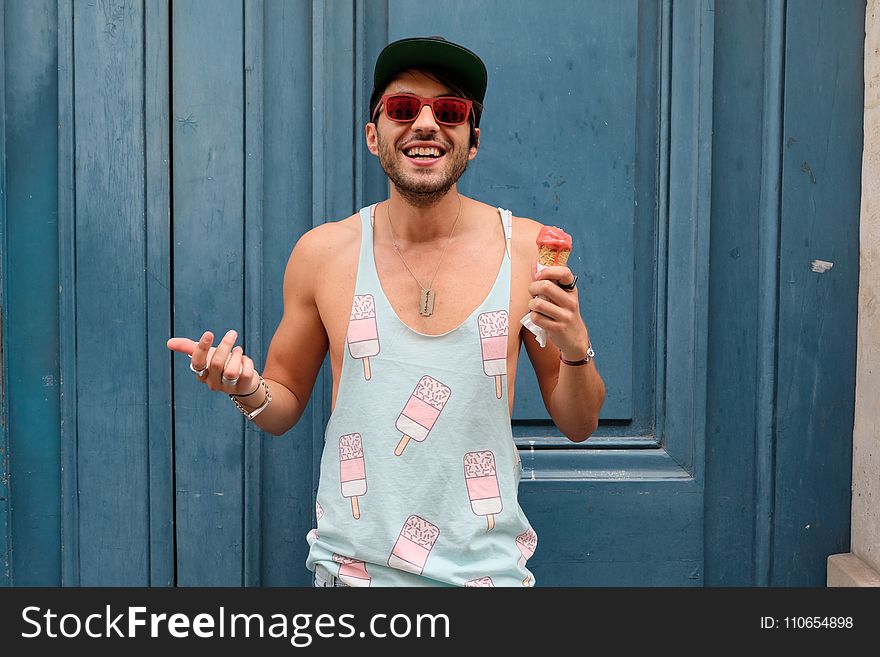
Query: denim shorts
pixel 324 577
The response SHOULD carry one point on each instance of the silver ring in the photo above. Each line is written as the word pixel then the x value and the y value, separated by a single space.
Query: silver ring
pixel 199 373
pixel 229 382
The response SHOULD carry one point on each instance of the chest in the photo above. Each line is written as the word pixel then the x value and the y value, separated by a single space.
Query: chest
pixel 465 277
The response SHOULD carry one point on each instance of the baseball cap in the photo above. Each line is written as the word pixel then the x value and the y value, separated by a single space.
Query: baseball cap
pixel 463 66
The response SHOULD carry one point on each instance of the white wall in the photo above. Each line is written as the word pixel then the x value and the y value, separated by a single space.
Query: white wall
pixel 861 567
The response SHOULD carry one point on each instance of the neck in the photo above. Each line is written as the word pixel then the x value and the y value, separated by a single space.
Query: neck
pixel 417 222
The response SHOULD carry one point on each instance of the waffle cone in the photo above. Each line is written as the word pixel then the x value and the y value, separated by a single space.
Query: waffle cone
pixel 548 256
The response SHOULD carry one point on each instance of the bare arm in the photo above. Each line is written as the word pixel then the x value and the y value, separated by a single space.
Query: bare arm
pixel 573 394
pixel 299 344
pixel 295 353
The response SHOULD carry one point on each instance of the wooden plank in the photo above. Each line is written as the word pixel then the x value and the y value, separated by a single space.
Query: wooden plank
pixel 4 409
pixel 158 291
pixel 253 250
pixel 31 294
pixel 768 292
pixel 689 190
pixel 739 246
pixel 563 151
pixel 112 376
pixel 824 87
pixel 207 80
pixel 70 571
pixel 371 35
pixel 287 479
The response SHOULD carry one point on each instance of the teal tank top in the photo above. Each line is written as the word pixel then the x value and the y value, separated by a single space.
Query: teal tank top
pixel 419 473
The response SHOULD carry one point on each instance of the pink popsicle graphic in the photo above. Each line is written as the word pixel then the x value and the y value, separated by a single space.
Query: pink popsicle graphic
pixel 414 544
pixel 363 333
pixel 527 542
pixel 482 485
pixel 493 340
pixel 352 472
pixel 352 571
pixel 481 581
pixel 421 411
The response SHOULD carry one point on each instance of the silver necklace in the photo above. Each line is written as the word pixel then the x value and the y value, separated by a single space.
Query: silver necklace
pixel 426 300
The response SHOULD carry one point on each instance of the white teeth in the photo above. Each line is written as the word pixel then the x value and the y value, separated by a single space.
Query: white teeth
pixel 423 151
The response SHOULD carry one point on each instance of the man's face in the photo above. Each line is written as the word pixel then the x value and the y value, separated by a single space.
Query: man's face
pixel 421 179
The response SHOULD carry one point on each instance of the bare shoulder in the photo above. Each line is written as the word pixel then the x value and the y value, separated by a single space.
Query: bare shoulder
pixel 328 247
pixel 323 245
pixel 523 235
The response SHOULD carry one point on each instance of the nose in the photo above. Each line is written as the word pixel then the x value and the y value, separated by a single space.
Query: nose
pixel 425 121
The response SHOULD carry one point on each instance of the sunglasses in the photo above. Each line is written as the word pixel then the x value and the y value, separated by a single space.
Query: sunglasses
pixel 404 108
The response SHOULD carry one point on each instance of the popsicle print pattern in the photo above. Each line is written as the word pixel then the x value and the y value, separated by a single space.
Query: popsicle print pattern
pixel 352 571
pixel 352 470
pixel 363 332
pixel 482 485
pixel 526 542
pixel 481 581
pixel 493 342
pixel 413 546
pixel 313 536
pixel 421 411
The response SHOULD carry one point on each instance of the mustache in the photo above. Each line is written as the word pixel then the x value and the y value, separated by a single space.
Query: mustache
pixel 446 145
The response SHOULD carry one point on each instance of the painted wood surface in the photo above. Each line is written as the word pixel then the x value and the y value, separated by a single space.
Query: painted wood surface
pixel 112 381
pixel 821 181
pixel 31 466
pixel 207 117
pixel 197 141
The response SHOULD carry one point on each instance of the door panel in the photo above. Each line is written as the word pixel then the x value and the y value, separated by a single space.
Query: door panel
pixel 598 119
pixel 259 105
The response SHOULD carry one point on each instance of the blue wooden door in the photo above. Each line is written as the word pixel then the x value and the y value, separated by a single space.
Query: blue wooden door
pixel 596 121
pixel 701 155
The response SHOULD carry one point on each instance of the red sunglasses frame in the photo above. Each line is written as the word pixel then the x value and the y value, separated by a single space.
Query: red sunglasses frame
pixel 469 104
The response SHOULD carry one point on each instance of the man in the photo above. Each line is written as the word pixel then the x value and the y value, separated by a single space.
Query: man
pixel 418 300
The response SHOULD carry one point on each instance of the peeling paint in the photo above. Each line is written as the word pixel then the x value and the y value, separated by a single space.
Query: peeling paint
pixel 821 266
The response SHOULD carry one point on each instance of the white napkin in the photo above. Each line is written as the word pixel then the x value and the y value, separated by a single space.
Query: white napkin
pixel 540 334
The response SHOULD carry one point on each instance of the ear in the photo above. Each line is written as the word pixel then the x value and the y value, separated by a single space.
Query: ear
pixel 372 136
pixel 472 153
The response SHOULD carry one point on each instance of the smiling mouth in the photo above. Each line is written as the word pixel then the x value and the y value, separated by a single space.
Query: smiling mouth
pixel 424 153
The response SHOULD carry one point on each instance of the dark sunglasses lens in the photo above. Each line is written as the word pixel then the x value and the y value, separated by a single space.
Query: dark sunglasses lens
pixel 402 108
pixel 450 111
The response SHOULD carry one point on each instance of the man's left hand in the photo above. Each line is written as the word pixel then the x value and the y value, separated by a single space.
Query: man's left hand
pixel 557 311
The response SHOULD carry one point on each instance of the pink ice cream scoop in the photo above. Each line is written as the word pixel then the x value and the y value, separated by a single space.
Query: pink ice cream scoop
pixel 493 340
pixel 414 544
pixel 421 411
pixel 352 472
pixel 481 581
pixel 363 333
pixel 527 542
pixel 482 485
pixel 352 571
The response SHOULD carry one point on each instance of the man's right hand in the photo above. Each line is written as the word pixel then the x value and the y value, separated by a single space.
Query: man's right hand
pixel 225 367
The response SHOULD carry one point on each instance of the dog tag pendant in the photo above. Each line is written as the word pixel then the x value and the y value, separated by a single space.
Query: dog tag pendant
pixel 426 304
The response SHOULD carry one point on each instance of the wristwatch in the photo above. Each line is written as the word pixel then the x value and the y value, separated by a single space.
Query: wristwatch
pixel 590 355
